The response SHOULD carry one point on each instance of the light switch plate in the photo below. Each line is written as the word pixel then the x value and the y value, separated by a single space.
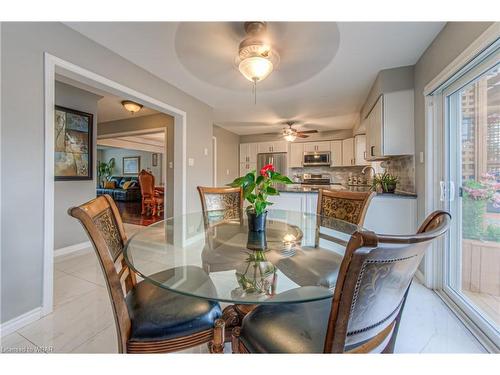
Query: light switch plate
pixel 421 157
pixel 170 164
pixel 191 162
pixel 227 172
pixel 205 151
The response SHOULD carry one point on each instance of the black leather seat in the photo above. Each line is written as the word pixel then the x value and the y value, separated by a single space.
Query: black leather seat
pixel 288 328
pixel 159 314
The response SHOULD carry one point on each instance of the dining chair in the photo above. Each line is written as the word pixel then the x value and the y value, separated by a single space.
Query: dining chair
pixel 148 319
pixel 152 199
pixel 221 203
pixel 365 312
pixel 350 206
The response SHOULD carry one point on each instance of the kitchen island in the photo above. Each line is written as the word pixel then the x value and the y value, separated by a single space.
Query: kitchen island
pixel 387 214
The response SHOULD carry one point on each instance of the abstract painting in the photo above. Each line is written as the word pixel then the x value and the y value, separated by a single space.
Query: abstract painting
pixel 73 144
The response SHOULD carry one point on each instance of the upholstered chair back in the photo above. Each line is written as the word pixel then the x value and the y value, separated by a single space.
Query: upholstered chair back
pixel 374 279
pixel 349 206
pixel 221 203
pixel 147 182
pixel 102 222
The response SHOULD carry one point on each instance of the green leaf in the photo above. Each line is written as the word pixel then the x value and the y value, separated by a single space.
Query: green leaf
pixel 271 191
pixel 248 189
pixel 259 180
pixel 251 198
pixel 250 177
pixel 237 182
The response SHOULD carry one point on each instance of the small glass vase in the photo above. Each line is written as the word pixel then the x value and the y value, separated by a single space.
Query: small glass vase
pixel 256 223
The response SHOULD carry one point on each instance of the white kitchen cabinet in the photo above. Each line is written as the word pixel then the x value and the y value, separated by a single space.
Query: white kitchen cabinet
pixel 390 126
pixel 316 146
pixel 248 152
pixel 296 155
pixel 276 146
pixel 360 150
pixel 392 215
pixel 247 167
pixel 336 153
pixel 348 152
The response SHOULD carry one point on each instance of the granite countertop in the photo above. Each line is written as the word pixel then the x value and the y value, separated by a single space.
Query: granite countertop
pixel 313 189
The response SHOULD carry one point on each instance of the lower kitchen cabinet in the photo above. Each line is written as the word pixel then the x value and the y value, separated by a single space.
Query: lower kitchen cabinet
pixel 387 214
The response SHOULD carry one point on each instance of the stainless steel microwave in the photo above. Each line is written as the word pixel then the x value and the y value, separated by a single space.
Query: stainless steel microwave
pixel 316 158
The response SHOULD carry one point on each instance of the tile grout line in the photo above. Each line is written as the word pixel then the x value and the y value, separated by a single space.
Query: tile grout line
pixel 81 278
pixel 90 338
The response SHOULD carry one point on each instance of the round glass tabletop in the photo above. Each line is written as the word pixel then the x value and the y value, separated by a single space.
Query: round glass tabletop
pixel 220 259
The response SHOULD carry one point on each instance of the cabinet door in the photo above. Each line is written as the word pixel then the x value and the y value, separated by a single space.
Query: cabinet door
pixel 322 146
pixel 336 153
pixel 265 147
pixel 360 149
pixel 279 146
pixel 348 151
pixel 244 153
pixel 376 130
pixel 247 167
pixel 310 146
pixel 296 155
pixel 252 152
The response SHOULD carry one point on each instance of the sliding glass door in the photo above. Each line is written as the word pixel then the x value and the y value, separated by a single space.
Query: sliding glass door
pixel 471 192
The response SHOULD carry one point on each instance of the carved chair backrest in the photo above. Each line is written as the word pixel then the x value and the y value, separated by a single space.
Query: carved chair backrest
pixel 102 222
pixel 221 203
pixel 147 182
pixel 374 279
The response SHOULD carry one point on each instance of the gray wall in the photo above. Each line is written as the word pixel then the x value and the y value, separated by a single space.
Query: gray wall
pixel 388 80
pixel 156 121
pixel 67 231
pixel 449 43
pixel 146 161
pixel 22 144
pixel 228 151
pixel 324 135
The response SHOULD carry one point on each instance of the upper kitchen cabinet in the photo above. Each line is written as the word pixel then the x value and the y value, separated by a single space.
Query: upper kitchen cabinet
pixel 296 155
pixel 336 153
pixel 276 146
pixel 316 146
pixel 360 149
pixel 390 126
pixel 348 152
pixel 248 152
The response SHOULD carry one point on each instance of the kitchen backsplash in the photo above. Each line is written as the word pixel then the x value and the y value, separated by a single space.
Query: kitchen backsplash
pixel 401 166
pixel 337 174
pixel 404 168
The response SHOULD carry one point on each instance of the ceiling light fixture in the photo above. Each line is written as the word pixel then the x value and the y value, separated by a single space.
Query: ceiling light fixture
pixel 256 59
pixel 131 106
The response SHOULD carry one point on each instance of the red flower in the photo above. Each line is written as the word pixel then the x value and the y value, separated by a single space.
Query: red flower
pixel 265 169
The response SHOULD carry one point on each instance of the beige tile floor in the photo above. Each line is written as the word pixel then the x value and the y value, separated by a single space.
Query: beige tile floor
pixel 82 321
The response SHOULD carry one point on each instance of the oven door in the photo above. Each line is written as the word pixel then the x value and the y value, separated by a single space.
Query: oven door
pixel 316 158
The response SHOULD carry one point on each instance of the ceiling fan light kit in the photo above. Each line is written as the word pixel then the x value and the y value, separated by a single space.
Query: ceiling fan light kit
pixel 256 58
pixel 290 134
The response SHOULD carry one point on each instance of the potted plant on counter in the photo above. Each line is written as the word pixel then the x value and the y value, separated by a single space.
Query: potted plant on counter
pixel 385 181
pixel 256 190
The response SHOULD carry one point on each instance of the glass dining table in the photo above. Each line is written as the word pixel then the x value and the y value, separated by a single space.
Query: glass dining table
pixel 295 260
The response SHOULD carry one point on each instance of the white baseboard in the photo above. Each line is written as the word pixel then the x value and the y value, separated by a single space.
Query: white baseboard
pixel 20 321
pixel 72 249
pixel 420 276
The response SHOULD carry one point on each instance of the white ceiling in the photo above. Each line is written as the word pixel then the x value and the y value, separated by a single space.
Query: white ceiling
pixel 324 76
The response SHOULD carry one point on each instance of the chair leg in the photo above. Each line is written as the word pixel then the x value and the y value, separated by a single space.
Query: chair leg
pixel 217 344
pixel 143 207
pixel 235 340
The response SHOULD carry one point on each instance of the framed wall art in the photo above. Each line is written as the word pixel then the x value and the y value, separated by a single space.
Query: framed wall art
pixel 73 144
pixel 131 165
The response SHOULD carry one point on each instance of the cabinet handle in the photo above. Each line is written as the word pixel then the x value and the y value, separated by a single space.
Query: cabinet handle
pixel 371 150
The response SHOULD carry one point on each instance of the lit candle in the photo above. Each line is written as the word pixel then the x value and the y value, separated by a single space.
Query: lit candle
pixel 289 241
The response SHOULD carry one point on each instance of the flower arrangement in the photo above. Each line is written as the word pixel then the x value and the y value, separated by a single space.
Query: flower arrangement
pixel 385 181
pixel 257 188
pixel 476 195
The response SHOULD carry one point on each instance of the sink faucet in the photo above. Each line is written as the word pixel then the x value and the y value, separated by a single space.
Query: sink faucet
pixel 373 173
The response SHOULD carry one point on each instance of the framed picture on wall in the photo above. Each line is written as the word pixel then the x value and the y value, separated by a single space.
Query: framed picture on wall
pixel 154 160
pixel 131 165
pixel 73 145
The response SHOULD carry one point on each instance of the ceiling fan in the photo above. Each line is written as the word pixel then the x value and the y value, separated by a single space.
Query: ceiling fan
pixel 290 134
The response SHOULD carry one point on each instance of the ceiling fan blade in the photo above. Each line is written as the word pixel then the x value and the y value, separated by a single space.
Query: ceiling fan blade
pixel 308 131
pixel 300 135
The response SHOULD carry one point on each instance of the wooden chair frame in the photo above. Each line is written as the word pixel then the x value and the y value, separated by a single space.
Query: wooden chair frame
pixel 203 191
pixel 120 280
pixel 155 201
pixel 358 250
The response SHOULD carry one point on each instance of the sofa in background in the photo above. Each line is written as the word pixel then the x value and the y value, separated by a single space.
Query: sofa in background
pixel 132 194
